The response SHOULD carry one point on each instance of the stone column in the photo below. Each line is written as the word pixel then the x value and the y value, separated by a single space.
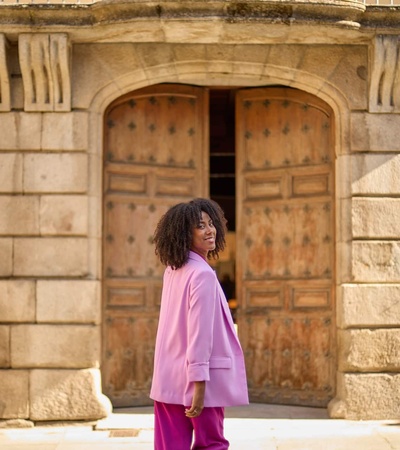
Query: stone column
pixel 369 304
pixel 50 307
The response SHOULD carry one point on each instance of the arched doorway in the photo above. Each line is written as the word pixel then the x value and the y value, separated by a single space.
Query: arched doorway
pixel 154 156
pixel 157 152
pixel 285 245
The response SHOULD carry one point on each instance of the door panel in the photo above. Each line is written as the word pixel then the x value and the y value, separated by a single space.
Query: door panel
pixel 155 155
pixel 285 238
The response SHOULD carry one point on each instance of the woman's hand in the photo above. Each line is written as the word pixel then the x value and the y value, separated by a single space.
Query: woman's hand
pixel 198 400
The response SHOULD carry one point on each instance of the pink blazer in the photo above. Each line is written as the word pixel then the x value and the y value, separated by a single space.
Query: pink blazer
pixel 196 340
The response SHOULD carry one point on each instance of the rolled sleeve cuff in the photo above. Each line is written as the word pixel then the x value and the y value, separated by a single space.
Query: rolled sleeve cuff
pixel 199 372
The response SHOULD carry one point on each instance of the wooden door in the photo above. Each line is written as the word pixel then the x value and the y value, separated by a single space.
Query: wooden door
pixel 154 156
pixel 285 238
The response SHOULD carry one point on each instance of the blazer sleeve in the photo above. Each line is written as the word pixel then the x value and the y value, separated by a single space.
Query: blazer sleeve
pixel 202 304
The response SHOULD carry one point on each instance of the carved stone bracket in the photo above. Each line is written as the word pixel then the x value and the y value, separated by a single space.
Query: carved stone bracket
pixel 5 102
pixel 384 90
pixel 45 67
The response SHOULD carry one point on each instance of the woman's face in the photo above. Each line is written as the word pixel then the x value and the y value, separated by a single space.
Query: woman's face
pixel 204 235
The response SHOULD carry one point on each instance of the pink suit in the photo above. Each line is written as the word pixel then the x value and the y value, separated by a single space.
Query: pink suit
pixel 196 340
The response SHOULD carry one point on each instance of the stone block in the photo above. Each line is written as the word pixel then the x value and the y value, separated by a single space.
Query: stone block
pixel 191 59
pixel 369 350
pixel 158 74
pixel 65 131
pixel 348 71
pixel 375 132
pixel 63 215
pixel 344 180
pixel 194 69
pixel 376 218
pixel 94 257
pixel 338 64
pixel 291 55
pixel 16 423
pixel 344 232
pixel 55 173
pixel 5 100
pixel 17 301
pixel 95 212
pixel 199 31
pixel 153 55
pixel 50 257
pixel 6 260
pixel 98 65
pixel 368 305
pixel 11 171
pixel 75 301
pixel 17 93
pixel 67 395
pixel 246 69
pixel 344 261
pixel 191 53
pixel 14 394
pixel 58 346
pixel 376 261
pixel 48 131
pixel 20 131
pixel 4 346
pixel 19 215
pixel 375 174
pixel 366 397
pixel 224 53
pixel 259 53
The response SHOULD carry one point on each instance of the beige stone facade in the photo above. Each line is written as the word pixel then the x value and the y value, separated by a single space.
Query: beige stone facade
pixel 60 68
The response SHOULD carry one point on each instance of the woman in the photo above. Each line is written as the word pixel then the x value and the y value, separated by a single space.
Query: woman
pixel 198 364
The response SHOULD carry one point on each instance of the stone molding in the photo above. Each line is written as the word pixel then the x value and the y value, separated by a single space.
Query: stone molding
pixel 384 92
pixel 5 91
pixel 111 21
pixel 112 11
pixel 45 67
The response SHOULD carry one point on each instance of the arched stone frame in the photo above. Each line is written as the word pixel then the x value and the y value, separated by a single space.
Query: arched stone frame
pixel 228 74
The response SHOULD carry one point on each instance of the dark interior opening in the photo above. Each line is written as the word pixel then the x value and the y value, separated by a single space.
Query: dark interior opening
pixel 222 152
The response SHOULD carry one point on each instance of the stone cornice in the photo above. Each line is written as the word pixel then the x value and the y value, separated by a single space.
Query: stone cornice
pixel 203 21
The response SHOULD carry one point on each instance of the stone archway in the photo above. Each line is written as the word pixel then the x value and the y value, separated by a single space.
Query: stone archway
pixel 280 76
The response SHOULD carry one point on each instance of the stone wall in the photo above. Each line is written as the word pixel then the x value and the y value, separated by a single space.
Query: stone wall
pixel 51 203
pixel 368 308
pixel 50 304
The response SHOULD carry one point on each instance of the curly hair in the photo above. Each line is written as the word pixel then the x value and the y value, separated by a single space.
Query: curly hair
pixel 174 232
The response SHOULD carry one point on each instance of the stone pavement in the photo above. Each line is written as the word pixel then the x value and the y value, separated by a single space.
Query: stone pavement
pixel 257 427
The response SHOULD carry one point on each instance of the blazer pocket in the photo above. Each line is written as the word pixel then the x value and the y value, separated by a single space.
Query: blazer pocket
pixel 220 362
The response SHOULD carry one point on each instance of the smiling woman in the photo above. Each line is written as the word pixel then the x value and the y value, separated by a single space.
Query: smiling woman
pixel 180 228
pixel 197 349
pixel 204 236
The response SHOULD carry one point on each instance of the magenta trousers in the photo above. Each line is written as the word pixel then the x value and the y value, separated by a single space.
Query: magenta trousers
pixel 174 431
